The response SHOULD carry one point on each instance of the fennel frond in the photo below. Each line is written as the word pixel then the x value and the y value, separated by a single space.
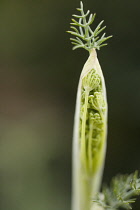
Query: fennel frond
pixel 120 194
pixel 85 37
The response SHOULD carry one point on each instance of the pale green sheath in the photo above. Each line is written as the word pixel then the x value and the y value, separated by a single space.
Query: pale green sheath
pixel 90 129
pixel 90 124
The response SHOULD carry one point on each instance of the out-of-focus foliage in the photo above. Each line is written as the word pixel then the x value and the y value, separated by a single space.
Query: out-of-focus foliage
pixel 121 193
pixel 38 81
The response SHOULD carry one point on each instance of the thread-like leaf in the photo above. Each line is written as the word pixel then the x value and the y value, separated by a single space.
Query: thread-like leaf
pixel 84 31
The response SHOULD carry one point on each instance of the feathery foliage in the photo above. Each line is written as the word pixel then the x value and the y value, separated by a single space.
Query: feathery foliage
pixel 85 37
pixel 121 192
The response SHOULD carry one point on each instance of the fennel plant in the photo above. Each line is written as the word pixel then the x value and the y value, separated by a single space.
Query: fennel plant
pixel 90 125
pixel 90 129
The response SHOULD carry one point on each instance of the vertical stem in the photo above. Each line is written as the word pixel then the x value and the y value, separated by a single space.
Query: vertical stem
pixel 83 139
pixel 85 202
pixel 90 146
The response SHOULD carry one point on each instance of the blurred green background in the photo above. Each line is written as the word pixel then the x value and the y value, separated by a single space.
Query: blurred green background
pixel 38 80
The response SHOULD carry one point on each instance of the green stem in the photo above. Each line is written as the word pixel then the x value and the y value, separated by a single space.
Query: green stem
pixel 83 139
pixel 90 146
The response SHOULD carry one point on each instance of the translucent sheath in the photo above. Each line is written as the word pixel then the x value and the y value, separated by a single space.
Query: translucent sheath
pixel 89 137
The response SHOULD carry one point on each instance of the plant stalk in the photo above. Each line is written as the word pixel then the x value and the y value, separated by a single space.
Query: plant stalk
pixel 86 184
